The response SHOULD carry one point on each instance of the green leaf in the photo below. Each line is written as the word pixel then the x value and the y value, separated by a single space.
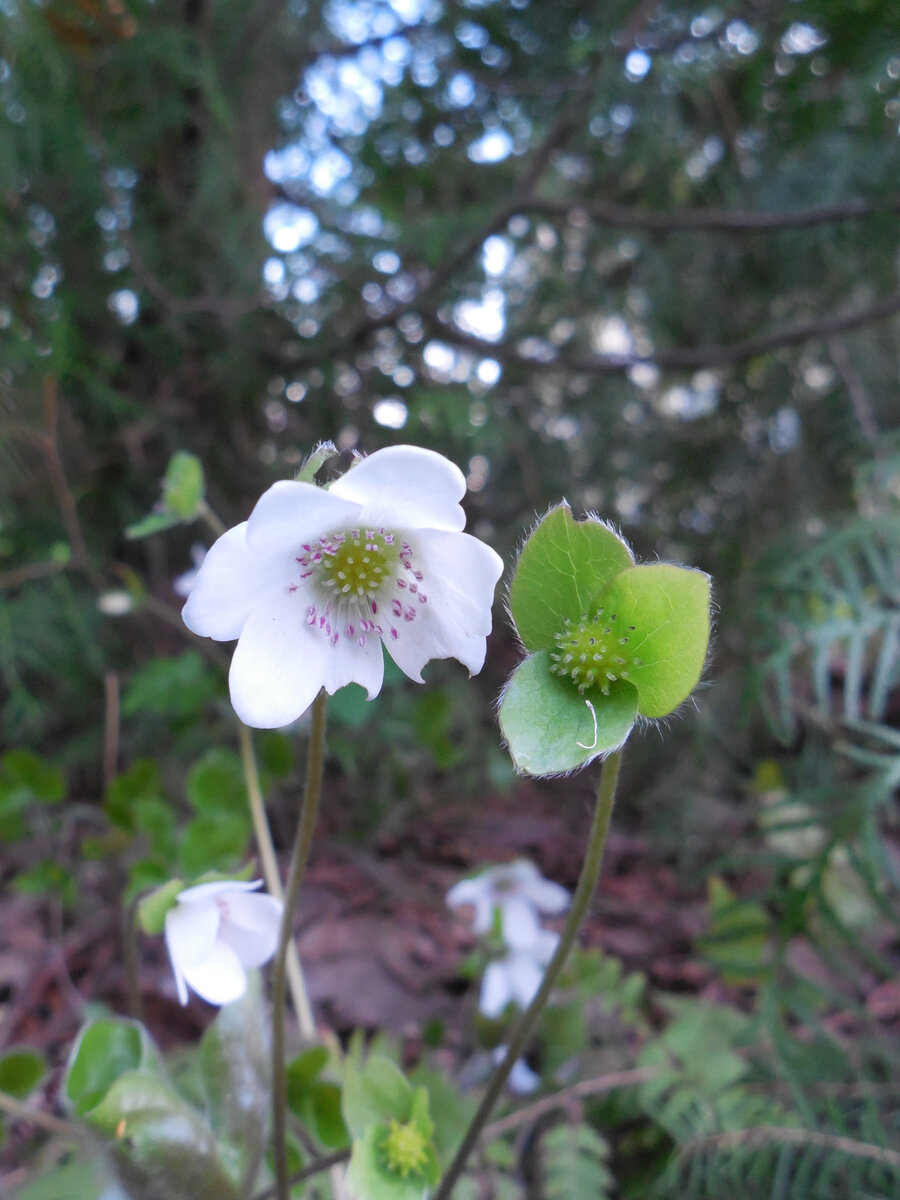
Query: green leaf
pixel 171 687
pixel 669 609
pixel 74 1181
pixel 302 1070
pixel 374 1094
pixel 216 784
pixel 738 935
pixel 155 522
pixel 562 567
pixel 235 1060
pixel 104 1050
pixel 30 773
pixel 151 912
pixel 20 1072
pixel 183 485
pixel 214 843
pixel 140 782
pixel 162 1147
pixel 549 727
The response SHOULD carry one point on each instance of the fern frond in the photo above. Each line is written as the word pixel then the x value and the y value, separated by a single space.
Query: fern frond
pixel 573 1163
pixel 831 617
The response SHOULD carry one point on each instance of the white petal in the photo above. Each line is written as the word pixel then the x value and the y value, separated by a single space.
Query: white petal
pixel 524 976
pixel 460 575
pixel 496 992
pixel 219 887
pixel 546 896
pixel 522 1080
pixel 348 662
pixel 291 513
pixel 251 926
pixel 191 931
pixel 520 926
pixel 220 978
pixel 230 583
pixel 405 487
pixel 545 947
pixel 279 664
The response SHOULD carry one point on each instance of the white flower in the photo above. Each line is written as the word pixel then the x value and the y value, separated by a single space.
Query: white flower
pixel 182 584
pixel 318 579
pixel 520 893
pixel 216 932
pixel 522 1080
pixel 515 978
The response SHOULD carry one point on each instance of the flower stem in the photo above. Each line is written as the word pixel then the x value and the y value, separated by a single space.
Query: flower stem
pixel 309 810
pixel 590 873
pixel 267 858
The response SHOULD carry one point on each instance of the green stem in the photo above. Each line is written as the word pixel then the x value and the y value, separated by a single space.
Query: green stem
pixel 590 873
pixel 296 983
pixel 309 810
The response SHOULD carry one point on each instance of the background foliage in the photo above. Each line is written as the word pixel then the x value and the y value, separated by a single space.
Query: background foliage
pixel 640 255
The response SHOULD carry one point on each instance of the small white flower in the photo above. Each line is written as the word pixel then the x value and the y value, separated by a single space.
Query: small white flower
pixel 515 978
pixel 318 579
pixel 522 1080
pixel 216 932
pixel 520 893
pixel 183 584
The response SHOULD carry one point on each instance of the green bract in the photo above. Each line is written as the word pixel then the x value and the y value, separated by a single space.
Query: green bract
pixel 607 642
pixel 393 1156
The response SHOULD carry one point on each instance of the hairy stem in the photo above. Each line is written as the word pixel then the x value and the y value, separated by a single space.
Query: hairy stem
pixel 590 873
pixel 309 810
pixel 263 835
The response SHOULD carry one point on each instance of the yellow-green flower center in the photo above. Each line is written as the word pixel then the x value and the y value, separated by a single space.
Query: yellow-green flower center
pixel 361 564
pixel 404 1149
pixel 594 652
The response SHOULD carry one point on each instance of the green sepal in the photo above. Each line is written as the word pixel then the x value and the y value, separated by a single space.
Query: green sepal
pixel 151 911
pixel 374 1094
pixel 162 1147
pixel 549 726
pixel 367 1176
pixel 563 564
pixel 317 459
pixel 669 609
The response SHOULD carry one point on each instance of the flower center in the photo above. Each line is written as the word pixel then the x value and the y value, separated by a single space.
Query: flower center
pixel 404 1149
pixel 361 582
pixel 593 653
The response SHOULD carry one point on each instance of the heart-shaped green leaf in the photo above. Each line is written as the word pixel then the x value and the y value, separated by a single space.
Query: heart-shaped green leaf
pixel 666 612
pixel 550 728
pixel 562 567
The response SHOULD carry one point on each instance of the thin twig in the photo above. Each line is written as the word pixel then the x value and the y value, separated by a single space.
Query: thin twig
pixel 560 1099
pixel 110 727
pixel 326 1163
pixel 16 1109
pixel 710 220
pixel 689 358
pixel 764 1135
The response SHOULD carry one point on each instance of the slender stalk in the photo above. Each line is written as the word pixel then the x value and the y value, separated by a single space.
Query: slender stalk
pixel 309 810
pixel 590 873
pixel 296 983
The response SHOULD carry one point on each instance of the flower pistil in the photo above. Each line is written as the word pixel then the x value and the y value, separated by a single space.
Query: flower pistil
pixel 364 580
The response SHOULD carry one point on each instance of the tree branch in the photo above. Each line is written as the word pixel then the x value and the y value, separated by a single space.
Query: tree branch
pixel 688 358
pixel 711 220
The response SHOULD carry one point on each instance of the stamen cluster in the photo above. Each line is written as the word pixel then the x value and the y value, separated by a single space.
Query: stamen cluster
pixel 353 572
pixel 592 652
